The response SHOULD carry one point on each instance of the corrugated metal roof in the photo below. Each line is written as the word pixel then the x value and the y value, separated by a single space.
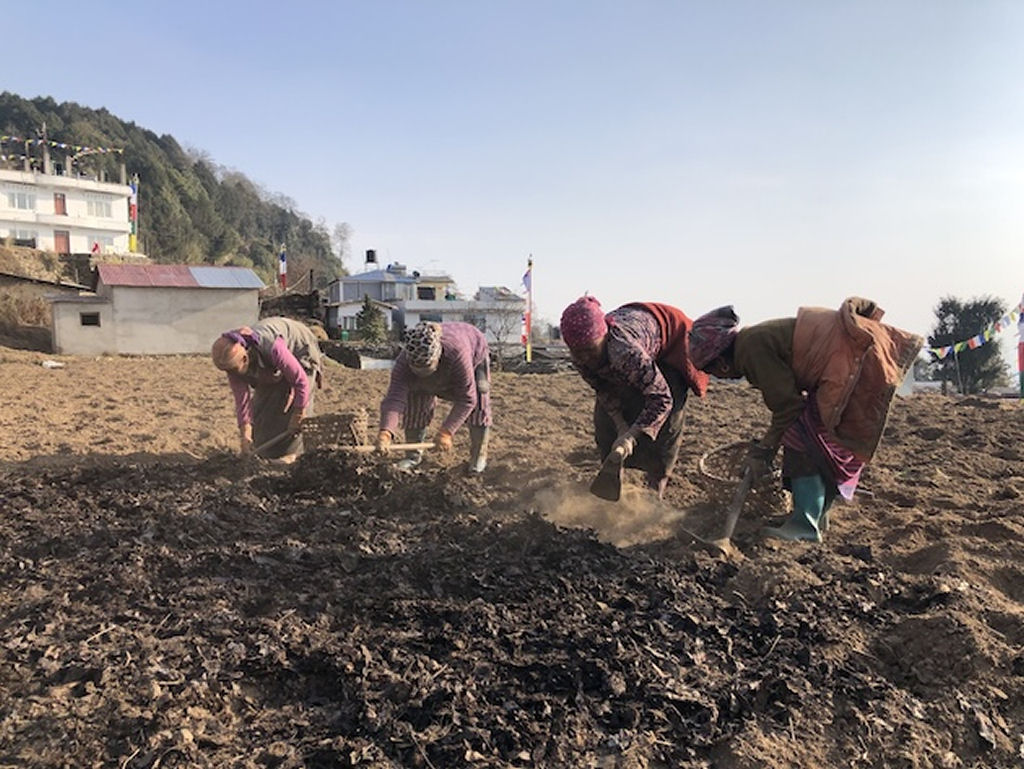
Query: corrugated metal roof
pixel 378 276
pixel 177 276
pixel 226 277
pixel 164 275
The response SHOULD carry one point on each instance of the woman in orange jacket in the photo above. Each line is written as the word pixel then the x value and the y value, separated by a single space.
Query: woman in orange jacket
pixel 828 377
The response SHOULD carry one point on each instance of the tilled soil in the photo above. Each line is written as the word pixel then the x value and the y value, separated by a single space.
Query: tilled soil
pixel 166 603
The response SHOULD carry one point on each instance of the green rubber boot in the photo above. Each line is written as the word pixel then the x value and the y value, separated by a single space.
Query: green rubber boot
pixel 413 458
pixel 479 437
pixel 804 523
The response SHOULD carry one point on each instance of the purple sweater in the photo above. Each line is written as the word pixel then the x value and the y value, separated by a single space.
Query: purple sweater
pixel 463 348
pixel 285 366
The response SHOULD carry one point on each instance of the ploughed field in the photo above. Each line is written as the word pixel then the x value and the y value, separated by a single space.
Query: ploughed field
pixel 167 604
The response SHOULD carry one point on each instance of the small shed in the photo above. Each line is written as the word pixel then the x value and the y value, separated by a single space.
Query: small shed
pixel 155 309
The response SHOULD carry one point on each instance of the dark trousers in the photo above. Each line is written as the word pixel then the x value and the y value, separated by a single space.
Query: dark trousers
pixel 657 457
pixel 269 419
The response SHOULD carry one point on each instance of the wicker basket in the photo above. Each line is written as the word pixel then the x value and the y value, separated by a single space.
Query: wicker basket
pixel 332 430
pixel 721 470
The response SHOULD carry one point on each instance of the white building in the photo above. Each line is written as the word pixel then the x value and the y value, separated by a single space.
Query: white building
pixel 408 298
pixel 495 310
pixel 153 309
pixel 64 214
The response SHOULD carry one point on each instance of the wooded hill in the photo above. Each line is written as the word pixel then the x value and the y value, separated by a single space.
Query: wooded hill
pixel 190 209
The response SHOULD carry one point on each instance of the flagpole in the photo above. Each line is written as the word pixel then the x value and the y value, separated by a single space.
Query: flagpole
pixel 133 214
pixel 529 311
pixel 1020 346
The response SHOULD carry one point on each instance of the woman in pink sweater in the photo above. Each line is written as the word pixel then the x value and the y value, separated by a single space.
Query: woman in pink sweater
pixel 449 361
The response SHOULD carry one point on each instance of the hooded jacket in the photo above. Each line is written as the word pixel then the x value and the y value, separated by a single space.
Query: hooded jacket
pixel 854 363
pixel 850 361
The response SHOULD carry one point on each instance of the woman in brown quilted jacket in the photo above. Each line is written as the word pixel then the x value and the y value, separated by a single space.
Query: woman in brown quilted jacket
pixel 828 377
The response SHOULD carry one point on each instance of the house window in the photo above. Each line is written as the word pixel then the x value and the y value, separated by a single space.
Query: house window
pixel 25 238
pixel 90 318
pixel 19 199
pixel 428 293
pixel 60 205
pixel 430 317
pixel 348 323
pixel 98 207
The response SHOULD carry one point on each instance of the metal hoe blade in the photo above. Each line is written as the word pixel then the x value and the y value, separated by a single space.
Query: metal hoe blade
pixel 608 483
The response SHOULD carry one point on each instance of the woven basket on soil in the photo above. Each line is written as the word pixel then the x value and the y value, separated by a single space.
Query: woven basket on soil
pixel 721 470
pixel 330 430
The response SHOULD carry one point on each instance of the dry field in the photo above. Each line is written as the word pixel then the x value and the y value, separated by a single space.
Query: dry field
pixel 167 604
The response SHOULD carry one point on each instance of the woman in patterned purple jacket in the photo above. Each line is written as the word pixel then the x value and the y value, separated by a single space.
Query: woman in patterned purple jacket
pixel 637 360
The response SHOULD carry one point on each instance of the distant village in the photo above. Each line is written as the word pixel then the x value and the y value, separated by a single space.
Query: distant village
pixel 119 302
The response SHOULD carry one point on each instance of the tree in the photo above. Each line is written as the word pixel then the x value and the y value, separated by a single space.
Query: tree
pixel 191 209
pixel 970 371
pixel 371 322
pixel 505 325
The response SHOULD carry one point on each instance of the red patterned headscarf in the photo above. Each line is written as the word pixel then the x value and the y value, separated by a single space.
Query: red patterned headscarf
pixel 583 322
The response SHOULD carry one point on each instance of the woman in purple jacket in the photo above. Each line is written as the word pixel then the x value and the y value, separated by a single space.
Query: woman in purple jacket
pixel 273 369
pixel 449 361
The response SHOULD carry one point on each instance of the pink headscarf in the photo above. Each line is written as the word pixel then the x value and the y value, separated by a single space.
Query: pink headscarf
pixel 583 322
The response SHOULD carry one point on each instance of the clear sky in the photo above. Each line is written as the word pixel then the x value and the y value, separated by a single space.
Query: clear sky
pixel 765 154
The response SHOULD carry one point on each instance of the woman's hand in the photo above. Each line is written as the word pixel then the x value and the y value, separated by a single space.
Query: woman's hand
pixel 245 440
pixel 759 460
pixel 443 441
pixel 625 443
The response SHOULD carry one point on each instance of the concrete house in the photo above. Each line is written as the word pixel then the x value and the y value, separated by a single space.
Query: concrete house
pixel 66 214
pixel 390 284
pixel 154 309
pixel 495 310
pixel 408 298
pixel 386 286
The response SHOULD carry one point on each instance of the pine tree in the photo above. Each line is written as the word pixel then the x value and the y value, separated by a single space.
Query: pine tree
pixel 371 322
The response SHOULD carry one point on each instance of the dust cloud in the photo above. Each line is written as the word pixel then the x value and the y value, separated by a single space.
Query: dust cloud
pixel 639 517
